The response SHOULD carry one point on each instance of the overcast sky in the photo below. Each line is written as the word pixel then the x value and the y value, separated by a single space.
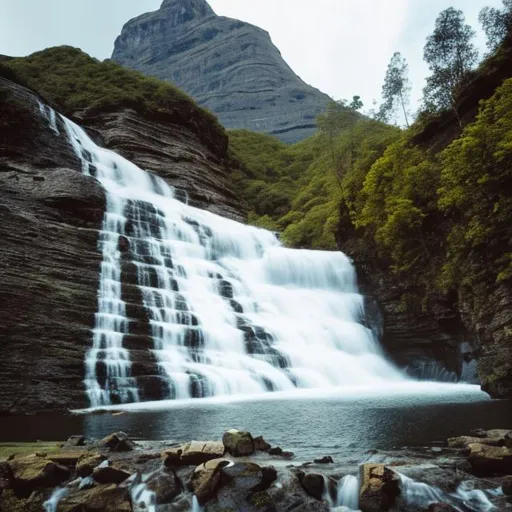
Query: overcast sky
pixel 340 46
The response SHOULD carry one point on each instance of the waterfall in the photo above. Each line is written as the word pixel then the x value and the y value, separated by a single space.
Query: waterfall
pixel 52 503
pixel 348 492
pixel 193 305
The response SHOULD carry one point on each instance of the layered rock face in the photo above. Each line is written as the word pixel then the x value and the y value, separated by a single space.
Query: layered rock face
pixel 51 216
pixel 228 66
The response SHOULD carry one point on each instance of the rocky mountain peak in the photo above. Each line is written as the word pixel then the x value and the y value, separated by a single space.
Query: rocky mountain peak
pixel 183 11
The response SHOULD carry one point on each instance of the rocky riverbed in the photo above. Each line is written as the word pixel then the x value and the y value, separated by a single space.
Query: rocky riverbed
pixel 245 473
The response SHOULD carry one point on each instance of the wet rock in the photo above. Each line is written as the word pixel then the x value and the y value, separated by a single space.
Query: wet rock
pixel 6 476
pixel 238 443
pixel 11 502
pixel 109 475
pixel 165 485
pixel 508 439
pixel 206 479
pixel 488 460
pixel 379 488
pixel 193 453
pixel 118 442
pixel 324 460
pixel 260 445
pixel 506 485
pixel 478 432
pixel 66 458
pixel 440 507
pixel 281 453
pixel 496 437
pixel 32 472
pixel 314 485
pixel 85 466
pixel 102 498
pixel 77 440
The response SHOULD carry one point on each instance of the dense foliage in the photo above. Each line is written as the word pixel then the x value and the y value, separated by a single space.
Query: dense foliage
pixel 72 80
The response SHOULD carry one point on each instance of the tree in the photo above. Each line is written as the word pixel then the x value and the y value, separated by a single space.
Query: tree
pixel 450 55
pixel 339 117
pixel 396 89
pixel 497 24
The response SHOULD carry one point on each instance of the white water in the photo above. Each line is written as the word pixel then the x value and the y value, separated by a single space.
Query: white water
pixel 231 311
pixel 348 492
pixel 52 503
pixel 463 499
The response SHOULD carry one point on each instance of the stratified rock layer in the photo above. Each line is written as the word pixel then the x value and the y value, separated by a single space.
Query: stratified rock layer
pixel 51 215
pixel 228 66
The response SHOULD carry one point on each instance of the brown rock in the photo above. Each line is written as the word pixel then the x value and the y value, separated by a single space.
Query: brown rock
pixel 109 475
pixel 488 460
pixel 165 485
pixel 440 507
pixel 33 472
pixel 77 440
pixel 324 460
pixel 238 443
pixel 314 485
pixel 206 478
pixel 85 466
pixel 193 453
pixel 6 476
pixel 260 445
pixel 496 437
pixel 379 488
pixel 118 442
pixel 67 458
pixel 102 498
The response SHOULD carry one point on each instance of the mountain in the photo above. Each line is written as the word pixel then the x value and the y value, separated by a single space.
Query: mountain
pixel 226 65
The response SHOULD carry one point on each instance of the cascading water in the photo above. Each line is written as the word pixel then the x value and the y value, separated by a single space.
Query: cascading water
pixel 229 310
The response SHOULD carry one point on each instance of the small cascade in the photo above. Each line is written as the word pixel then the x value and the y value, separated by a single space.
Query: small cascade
pixel 143 500
pixel 196 507
pixel 194 305
pixel 465 499
pixel 52 503
pixel 51 117
pixel 348 493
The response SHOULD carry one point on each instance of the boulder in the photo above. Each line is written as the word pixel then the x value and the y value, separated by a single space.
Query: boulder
pixel 379 488
pixel 488 460
pixel 508 439
pixel 76 440
pixel 314 485
pixel 260 445
pixel 85 465
pixel 496 437
pixel 506 485
pixel 102 498
pixel 238 443
pixel 165 485
pixel 66 457
pixel 324 460
pixel 193 453
pixel 109 475
pixel 33 471
pixel 206 478
pixel 117 442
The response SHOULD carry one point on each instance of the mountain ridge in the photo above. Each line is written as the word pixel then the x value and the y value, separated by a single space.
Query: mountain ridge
pixel 228 66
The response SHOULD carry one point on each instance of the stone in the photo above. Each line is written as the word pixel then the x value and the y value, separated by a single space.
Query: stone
pixel 496 437
pixel 238 443
pixel 109 475
pixel 508 439
pixel 440 507
pixel 6 476
pixel 506 485
pixel 102 498
pixel 67 457
pixel 228 66
pixel 314 485
pixel 379 488
pixel 324 460
pixel 34 472
pixel 206 478
pixel 260 445
pixel 165 485
pixel 117 442
pixel 488 460
pixel 77 440
pixel 85 466
pixel 193 453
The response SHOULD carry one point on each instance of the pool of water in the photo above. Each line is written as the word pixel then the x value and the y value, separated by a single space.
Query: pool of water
pixel 309 424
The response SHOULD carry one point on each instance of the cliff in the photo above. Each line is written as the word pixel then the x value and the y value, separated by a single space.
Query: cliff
pixel 228 66
pixel 51 216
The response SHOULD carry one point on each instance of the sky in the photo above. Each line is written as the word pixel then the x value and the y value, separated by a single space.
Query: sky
pixel 342 47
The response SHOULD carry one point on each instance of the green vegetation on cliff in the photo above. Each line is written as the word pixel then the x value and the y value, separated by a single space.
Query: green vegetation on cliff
pixel 73 81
